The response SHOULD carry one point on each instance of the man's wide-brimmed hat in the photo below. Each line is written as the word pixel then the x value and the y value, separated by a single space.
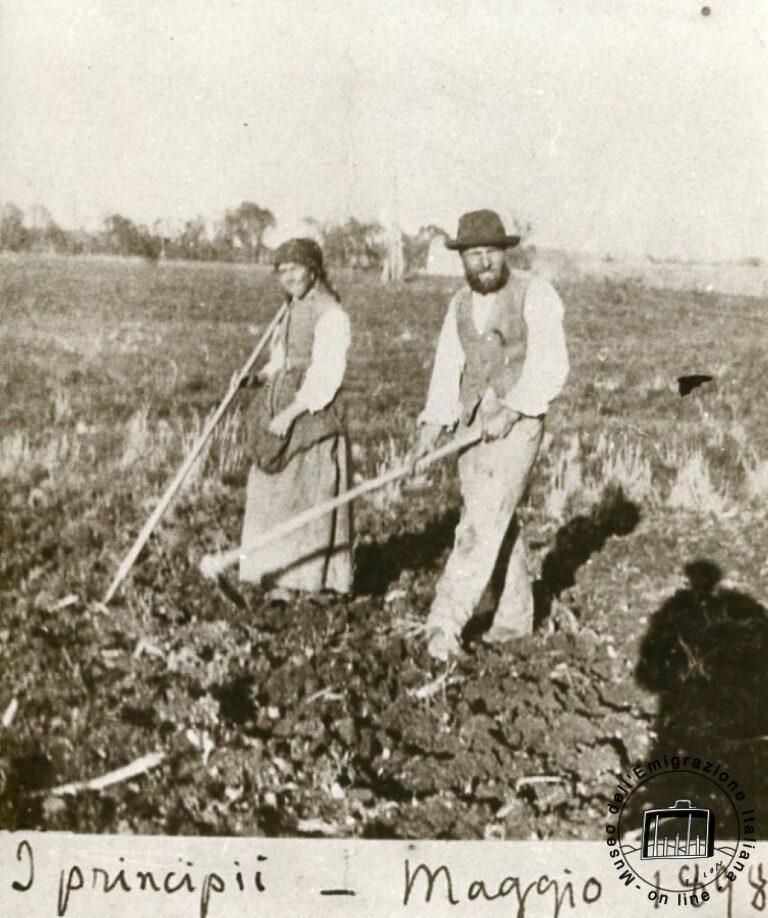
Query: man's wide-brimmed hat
pixel 480 228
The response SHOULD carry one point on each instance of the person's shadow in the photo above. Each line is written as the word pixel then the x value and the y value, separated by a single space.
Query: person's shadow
pixel 705 655
pixel 575 543
pixel 379 564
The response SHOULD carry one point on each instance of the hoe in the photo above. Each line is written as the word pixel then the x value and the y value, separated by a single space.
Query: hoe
pixel 213 566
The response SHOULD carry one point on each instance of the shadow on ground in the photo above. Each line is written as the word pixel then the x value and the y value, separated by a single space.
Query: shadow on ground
pixel 613 515
pixel 575 543
pixel 378 564
pixel 704 655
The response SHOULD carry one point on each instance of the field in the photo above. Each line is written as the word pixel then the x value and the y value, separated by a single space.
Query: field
pixel 645 521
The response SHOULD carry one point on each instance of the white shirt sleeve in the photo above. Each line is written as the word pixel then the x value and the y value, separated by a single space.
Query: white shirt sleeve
pixel 443 406
pixel 325 373
pixel 546 360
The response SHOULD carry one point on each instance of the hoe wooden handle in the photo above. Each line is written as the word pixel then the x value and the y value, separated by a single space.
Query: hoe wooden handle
pixel 213 565
pixel 177 482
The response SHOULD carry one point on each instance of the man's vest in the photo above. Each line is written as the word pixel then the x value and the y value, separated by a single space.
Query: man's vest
pixel 494 357
pixel 296 333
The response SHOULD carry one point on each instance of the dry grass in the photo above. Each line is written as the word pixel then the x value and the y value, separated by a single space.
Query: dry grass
pixel 755 477
pixel 223 454
pixel 566 480
pixel 389 455
pixel 626 464
pixel 138 438
pixel 693 489
pixel 59 452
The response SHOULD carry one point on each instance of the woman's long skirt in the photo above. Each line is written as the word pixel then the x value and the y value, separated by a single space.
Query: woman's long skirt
pixel 318 556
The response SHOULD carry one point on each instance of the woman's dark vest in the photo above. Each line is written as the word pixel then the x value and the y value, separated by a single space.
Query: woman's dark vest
pixel 296 333
pixel 494 357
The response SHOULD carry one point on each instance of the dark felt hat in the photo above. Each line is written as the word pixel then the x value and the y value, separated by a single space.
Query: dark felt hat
pixel 481 227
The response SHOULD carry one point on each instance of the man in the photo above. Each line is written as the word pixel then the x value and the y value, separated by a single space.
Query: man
pixel 500 360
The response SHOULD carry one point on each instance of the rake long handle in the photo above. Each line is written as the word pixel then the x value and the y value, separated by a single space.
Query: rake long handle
pixel 215 564
pixel 182 473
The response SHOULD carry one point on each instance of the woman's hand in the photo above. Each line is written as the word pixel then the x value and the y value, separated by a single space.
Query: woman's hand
pixel 254 381
pixel 281 423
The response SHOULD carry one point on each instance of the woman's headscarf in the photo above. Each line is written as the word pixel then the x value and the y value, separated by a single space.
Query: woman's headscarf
pixel 302 252
pixel 307 252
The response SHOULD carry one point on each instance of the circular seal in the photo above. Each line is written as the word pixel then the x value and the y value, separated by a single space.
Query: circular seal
pixel 678 824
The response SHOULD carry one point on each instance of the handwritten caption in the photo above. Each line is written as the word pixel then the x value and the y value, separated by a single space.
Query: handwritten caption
pixel 78 885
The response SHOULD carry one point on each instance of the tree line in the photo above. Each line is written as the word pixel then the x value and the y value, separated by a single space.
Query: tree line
pixel 237 237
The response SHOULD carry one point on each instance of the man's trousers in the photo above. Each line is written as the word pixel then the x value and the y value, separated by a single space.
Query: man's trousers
pixel 494 476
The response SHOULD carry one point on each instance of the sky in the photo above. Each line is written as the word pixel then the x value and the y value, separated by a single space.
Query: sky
pixel 610 126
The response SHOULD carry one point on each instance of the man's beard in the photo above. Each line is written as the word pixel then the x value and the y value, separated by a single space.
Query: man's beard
pixel 489 284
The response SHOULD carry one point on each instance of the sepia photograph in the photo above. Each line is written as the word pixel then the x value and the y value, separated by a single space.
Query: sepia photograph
pixel 383 435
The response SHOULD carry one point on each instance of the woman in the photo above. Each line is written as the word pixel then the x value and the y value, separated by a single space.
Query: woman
pixel 297 434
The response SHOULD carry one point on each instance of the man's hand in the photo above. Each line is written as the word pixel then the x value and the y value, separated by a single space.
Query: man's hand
pixel 281 423
pixel 425 442
pixel 498 423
